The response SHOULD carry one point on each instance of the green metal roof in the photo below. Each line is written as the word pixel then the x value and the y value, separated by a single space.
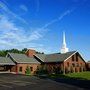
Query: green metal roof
pixel 22 58
pixel 6 61
pixel 54 57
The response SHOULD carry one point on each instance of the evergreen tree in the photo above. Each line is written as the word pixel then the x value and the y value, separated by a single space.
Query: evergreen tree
pixel 28 71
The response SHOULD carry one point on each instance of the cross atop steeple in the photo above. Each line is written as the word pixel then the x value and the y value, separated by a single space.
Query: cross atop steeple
pixel 64 48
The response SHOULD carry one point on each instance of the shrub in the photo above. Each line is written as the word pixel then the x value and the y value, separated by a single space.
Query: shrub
pixel 28 71
pixel 42 70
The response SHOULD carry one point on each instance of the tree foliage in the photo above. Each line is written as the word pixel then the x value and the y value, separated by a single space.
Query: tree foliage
pixel 3 53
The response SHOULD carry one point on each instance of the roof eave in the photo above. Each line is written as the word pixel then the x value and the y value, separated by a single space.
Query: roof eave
pixel 28 63
pixel 6 64
pixel 54 62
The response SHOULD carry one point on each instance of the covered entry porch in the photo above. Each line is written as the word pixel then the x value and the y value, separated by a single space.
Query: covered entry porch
pixel 6 64
pixel 5 68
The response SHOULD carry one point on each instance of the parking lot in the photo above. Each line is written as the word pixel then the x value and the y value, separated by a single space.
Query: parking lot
pixel 21 82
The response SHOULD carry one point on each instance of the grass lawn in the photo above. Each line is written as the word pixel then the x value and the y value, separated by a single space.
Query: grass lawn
pixel 80 75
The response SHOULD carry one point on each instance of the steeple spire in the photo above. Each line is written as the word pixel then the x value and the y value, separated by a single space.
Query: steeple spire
pixel 64 49
pixel 64 41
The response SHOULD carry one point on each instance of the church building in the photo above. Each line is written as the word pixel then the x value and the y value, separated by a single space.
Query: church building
pixel 64 62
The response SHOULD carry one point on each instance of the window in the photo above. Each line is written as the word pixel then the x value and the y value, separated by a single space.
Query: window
pixel 76 57
pixel 77 64
pixel 72 58
pixel 20 69
pixel 31 68
pixel 73 64
pixel 81 64
pixel 68 64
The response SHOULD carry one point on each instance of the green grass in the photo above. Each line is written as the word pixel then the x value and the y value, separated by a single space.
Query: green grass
pixel 80 75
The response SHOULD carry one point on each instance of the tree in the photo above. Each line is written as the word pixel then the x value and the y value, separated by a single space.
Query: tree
pixel 24 50
pixel 3 53
pixel 28 71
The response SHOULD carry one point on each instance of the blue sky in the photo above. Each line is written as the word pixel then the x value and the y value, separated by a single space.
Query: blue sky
pixel 39 24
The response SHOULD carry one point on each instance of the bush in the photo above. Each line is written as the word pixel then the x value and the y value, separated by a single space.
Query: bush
pixel 28 71
pixel 42 70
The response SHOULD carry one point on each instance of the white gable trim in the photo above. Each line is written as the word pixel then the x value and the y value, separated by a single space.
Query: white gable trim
pixel 12 58
pixel 39 58
pixel 70 56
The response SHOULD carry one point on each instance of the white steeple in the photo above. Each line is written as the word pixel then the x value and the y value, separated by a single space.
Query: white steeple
pixel 64 48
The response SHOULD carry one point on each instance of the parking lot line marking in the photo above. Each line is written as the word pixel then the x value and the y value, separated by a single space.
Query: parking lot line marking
pixel 5 85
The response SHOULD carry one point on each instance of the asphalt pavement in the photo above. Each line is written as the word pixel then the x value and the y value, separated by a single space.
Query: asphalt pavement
pixel 21 82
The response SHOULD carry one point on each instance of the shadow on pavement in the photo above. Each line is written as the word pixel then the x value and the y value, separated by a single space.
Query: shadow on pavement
pixel 75 82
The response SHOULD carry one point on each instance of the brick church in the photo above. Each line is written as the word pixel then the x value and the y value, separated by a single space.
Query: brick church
pixel 64 62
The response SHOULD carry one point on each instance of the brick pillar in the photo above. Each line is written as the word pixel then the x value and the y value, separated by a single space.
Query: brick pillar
pixel 16 69
pixel 63 68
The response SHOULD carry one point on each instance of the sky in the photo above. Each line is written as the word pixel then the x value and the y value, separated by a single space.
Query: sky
pixel 39 24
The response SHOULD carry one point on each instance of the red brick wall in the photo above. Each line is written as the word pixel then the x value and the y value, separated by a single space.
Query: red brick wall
pixel 88 66
pixel 50 67
pixel 24 66
pixel 69 65
pixel 13 68
pixel 74 65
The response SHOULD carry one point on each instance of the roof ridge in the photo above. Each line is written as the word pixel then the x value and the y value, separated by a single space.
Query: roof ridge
pixel 61 53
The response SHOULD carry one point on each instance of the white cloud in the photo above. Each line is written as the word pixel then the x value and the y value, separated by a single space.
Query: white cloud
pixel 11 14
pixel 13 36
pixel 6 25
pixel 59 18
pixel 23 7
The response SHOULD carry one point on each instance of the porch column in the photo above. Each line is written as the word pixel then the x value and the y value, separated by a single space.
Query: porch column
pixel 16 69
